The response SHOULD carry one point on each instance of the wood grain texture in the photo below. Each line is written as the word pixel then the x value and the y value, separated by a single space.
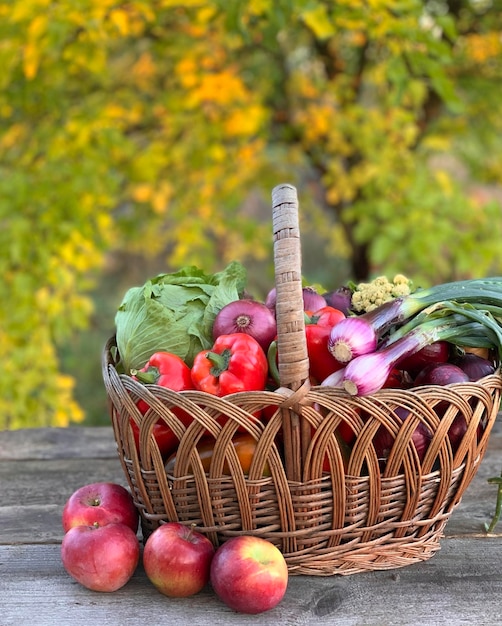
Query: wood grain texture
pixel 461 585
pixel 71 458
pixel 58 443
pixel 39 469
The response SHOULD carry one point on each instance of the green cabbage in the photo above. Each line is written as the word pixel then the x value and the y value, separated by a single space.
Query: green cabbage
pixel 174 313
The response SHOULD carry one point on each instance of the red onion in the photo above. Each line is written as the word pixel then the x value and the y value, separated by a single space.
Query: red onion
pixel 457 431
pixel 475 366
pixel 444 374
pixel 401 309
pixel 360 334
pixel 440 374
pixel 437 352
pixel 367 373
pixel 271 299
pixel 312 301
pixel 334 380
pixel 340 299
pixel 246 316
pixel 384 439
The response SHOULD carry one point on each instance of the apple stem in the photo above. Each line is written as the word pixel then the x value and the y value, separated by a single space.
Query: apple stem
pixel 191 530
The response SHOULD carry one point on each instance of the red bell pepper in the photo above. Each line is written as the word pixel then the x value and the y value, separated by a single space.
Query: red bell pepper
pixel 164 369
pixel 318 326
pixel 170 371
pixel 236 362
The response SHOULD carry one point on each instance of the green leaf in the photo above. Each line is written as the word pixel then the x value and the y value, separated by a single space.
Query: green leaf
pixel 174 313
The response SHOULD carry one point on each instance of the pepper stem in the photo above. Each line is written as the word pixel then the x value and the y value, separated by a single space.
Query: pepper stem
pixel 149 377
pixel 219 361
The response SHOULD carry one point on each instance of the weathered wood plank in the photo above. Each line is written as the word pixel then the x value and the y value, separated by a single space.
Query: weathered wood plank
pixel 32 498
pixel 35 491
pixel 39 469
pixel 478 502
pixel 57 443
pixel 460 585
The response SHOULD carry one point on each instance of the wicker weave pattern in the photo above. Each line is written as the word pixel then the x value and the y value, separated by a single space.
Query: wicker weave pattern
pixel 353 518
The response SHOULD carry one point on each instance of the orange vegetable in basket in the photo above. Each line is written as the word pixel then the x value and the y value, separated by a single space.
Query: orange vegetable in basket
pixel 244 444
pixel 484 353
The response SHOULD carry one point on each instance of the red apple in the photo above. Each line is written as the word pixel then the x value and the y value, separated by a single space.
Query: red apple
pixel 249 574
pixel 177 559
pixel 100 503
pixel 101 558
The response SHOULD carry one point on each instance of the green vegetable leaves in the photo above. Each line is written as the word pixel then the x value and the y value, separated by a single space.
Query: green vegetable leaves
pixel 174 313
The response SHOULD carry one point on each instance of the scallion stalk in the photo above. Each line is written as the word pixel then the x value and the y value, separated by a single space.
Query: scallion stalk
pixel 359 335
pixel 367 373
pixel 488 335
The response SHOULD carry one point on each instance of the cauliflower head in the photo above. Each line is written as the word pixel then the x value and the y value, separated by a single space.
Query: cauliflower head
pixel 369 296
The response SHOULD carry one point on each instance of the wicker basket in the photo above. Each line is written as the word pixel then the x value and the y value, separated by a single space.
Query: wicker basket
pixel 354 517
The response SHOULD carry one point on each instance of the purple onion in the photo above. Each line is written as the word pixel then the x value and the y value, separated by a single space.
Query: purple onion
pixel 440 374
pixel 366 374
pixel 475 366
pixel 312 301
pixel 369 372
pixel 384 439
pixel 340 299
pixel 333 380
pixel 457 431
pixel 271 299
pixel 246 316
pixel 437 352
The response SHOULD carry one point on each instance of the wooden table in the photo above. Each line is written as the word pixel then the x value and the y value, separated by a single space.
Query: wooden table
pixel 40 468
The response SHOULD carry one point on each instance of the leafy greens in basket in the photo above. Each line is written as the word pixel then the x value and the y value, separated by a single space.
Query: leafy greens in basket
pixel 174 313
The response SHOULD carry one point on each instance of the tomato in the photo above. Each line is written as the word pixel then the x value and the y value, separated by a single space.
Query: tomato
pixel 163 435
pixel 318 327
pixel 345 437
pixel 170 371
pixel 243 443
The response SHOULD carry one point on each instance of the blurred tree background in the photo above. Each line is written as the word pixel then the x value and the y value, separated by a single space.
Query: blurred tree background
pixel 137 137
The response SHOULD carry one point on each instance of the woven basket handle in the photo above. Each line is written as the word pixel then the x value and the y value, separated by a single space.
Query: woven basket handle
pixel 291 341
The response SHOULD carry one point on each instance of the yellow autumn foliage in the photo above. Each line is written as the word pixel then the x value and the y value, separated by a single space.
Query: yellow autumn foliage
pixel 483 47
pixel 146 126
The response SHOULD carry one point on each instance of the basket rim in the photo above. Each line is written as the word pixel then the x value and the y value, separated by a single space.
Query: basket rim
pixel 292 398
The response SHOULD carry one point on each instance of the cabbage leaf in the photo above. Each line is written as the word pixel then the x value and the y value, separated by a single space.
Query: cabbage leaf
pixel 174 313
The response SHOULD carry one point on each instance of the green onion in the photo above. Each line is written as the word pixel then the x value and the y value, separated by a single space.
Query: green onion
pixel 348 339
pixel 457 324
pixel 488 335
